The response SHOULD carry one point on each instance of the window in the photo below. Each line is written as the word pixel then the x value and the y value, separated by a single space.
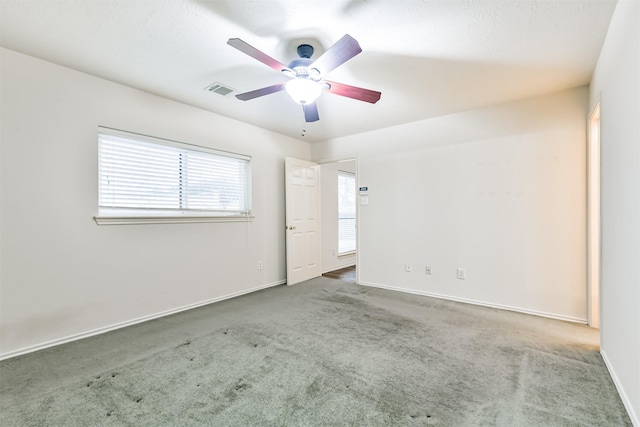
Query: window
pixel 145 177
pixel 346 213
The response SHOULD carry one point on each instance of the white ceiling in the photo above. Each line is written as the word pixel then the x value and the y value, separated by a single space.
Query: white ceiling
pixel 428 58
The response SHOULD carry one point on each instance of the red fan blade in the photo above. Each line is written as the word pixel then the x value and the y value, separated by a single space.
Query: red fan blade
pixel 255 53
pixel 354 92
pixel 260 92
pixel 342 51
pixel 310 112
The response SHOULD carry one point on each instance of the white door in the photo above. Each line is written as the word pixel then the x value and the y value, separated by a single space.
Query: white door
pixel 302 192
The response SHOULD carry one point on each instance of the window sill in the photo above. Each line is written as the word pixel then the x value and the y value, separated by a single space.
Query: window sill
pixel 134 220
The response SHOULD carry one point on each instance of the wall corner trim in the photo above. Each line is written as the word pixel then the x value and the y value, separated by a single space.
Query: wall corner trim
pixel 623 396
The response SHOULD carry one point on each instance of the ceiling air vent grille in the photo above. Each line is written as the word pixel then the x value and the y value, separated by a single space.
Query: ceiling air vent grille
pixel 219 88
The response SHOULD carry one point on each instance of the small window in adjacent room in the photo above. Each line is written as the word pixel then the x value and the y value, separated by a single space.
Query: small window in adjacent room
pixel 346 213
pixel 144 179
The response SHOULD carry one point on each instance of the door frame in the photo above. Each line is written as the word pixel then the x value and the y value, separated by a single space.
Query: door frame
pixel 594 229
pixel 357 175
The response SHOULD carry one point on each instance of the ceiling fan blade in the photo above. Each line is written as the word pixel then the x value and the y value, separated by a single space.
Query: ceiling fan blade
pixel 260 92
pixel 245 47
pixel 354 92
pixel 310 112
pixel 342 51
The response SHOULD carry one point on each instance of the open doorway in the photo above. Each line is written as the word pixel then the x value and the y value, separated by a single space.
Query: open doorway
pixel 339 237
pixel 593 219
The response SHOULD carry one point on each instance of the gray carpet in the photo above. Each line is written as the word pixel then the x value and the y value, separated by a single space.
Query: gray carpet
pixel 321 353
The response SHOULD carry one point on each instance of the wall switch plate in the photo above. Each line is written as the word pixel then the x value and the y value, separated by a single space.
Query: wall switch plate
pixel 408 268
pixel 260 265
pixel 427 269
pixel 461 274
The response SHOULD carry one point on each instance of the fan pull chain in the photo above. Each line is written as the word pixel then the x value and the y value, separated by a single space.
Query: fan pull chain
pixel 304 130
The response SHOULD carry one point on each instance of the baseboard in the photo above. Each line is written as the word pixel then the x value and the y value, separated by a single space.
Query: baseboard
pixel 623 396
pixel 475 302
pixel 132 322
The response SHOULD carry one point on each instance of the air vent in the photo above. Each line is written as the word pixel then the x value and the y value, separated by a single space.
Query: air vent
pixel 219 88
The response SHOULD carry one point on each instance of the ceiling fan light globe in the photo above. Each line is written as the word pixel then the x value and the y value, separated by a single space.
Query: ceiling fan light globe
pixel 303 91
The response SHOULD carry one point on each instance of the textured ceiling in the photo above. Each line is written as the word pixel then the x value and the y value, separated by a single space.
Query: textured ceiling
pixel 428 58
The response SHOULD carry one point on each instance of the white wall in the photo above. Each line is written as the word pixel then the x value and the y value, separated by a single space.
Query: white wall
pixel 616 84
pixel 329 196
pixel 61 274
pixel 499 191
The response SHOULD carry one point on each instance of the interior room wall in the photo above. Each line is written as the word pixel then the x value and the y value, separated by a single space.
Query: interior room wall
pixel 63 276
pixel 616 86
pixel 498 191
pixel 329 196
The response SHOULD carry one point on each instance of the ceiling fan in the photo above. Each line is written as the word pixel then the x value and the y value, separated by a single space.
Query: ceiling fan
pixel 307 76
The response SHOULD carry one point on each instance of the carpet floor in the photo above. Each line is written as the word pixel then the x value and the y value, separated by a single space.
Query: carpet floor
pixel 321 353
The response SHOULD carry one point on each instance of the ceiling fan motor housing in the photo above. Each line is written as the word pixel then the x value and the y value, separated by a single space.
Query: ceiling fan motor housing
pixel 301 65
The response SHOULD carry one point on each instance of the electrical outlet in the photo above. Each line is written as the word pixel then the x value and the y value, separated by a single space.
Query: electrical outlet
pixel 408 268
pixel 428 269
pixel 461 274
pixel 260 265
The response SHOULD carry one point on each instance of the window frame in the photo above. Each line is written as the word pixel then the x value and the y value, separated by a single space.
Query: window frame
pixel 131 216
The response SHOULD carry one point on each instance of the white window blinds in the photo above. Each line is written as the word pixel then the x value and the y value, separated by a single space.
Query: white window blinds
pixel 141 175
